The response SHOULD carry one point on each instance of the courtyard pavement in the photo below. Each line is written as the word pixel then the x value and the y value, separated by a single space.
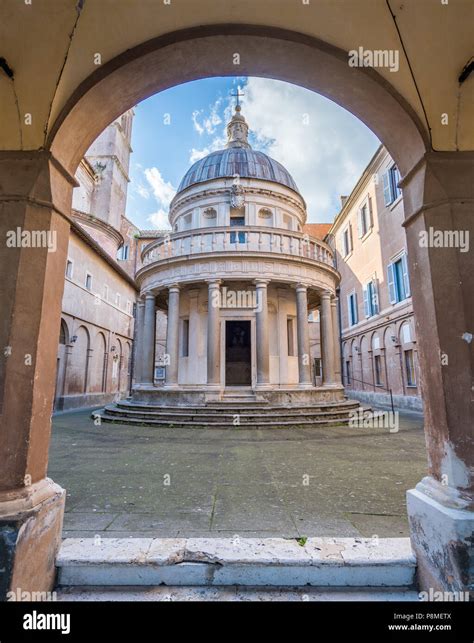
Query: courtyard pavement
pixel 143 481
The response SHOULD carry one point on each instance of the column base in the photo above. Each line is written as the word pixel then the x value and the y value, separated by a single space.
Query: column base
pixel 442 536
pixel 30 536
pixel 306 385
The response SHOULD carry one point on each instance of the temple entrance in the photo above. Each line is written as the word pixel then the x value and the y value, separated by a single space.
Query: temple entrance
pixel 238 361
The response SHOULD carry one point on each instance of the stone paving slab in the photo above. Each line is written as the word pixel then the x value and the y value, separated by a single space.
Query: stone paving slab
pixel 223 483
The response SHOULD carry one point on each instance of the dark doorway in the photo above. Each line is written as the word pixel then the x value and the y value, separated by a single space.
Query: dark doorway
pixel 238 360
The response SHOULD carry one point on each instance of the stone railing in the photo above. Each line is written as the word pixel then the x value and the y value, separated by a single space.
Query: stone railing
pixel 237 239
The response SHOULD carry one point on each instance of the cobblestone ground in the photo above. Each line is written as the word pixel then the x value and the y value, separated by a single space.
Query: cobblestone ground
pixel 142 481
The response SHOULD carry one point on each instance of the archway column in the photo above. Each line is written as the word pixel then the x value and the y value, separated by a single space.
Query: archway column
pixel 35 198
pixel 148 341
pixel 213 334
pixel 262 334
pixel 439 195
pixel 172 337
pixel 327 340
pixel 302 331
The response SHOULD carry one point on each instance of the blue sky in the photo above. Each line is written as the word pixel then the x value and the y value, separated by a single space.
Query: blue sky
pixel 323 146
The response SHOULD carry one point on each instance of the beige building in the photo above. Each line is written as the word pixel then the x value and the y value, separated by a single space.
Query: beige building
pixel 379 347
pixel 94 361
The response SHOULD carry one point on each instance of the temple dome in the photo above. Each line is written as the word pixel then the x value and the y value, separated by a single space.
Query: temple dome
pixel 245 162
pixel 238 157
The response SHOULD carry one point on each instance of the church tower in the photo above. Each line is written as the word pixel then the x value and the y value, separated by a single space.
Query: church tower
pixel 100 200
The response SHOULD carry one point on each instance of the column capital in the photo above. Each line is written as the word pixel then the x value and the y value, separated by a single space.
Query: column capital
pixel 300 287
pixel 149 295
pixel 261 283
pixel 174 287
pixel 326 295
pixel 214 283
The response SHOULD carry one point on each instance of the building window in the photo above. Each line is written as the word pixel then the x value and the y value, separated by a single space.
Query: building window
pixel 129 307
pixel 69 269
pixel 290 336
pixel 347 241
pixel 117 300
pixel 391 191
pixel 352 309
pixel 88 281
pixel 106 293
pixel 398 280
pixel 237 237
pixel 185 338
pixel 378 370
pixel 348 372
pixel 123 253
pixel 410 368
pixel 318 371
pixel 371 303
pixel 365 218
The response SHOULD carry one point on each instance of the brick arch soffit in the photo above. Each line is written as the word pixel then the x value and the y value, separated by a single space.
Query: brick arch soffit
pixel 265 52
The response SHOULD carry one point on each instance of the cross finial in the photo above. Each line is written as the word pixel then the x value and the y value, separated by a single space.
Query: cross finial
pixel 238 95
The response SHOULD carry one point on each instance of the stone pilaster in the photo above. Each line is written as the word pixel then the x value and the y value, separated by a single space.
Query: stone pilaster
pixel 336 341
pixel 328 352
pixel 35 201
pixel 438 199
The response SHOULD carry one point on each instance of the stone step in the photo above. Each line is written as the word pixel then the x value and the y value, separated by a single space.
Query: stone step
pixel 200 423
pixel 235 593
pixel 245 562
pixel 219 407
pixel 202 415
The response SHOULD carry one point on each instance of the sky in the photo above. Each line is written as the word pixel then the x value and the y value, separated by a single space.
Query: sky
pixel 322 145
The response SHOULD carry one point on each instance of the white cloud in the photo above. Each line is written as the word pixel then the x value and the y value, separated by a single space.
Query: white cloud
pixel 209 123
pixel 322 145
pixel 143 191
pixel 159 220
pixel 163 191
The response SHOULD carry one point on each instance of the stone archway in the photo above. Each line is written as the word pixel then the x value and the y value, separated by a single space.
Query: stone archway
pixel 438 191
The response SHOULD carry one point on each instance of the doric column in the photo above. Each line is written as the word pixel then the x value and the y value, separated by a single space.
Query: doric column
pixel 148 346
pixel 138 353
pixel 302 331
pixel 172 337
pixel 327 339
pixel 337 342
pixel 263 345
pixel 213 334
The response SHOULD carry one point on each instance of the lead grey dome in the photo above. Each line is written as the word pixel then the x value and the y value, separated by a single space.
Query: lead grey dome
pixel 245 162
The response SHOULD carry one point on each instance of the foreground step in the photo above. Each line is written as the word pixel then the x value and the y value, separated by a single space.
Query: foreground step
pixel 251 562
pixel 236 593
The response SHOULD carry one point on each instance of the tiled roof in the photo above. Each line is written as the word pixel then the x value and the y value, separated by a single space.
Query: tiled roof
pixel 318 230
